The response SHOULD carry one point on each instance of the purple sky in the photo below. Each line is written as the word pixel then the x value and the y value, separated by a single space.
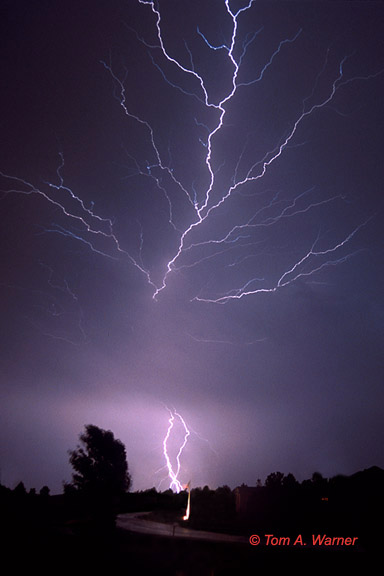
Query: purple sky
pixel 204 235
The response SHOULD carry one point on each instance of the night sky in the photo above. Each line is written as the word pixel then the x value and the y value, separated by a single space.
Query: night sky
pixel 192 222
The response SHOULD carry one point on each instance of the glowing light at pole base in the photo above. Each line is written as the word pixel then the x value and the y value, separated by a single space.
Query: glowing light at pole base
pixel 188 510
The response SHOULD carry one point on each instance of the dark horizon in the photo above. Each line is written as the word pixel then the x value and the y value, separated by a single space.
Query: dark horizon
pixel 323 521
pixel 259 482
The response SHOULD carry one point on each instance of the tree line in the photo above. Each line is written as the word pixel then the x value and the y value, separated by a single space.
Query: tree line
pixel 101 482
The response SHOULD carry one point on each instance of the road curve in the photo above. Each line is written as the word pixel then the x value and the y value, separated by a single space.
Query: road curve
pixel 136 522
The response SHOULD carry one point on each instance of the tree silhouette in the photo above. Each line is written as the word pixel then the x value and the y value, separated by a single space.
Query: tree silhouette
pixel 100 464
pixel 274 480
pixel 44 492
pixel 289 482
pixel 20 490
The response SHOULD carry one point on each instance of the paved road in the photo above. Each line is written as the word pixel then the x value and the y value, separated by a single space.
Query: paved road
pixel 135 522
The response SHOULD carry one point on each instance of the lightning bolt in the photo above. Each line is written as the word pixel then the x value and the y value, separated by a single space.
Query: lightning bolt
pixel 209 204
pixel 88 227
pixel 97 232
pixel 295 272
pixel 174 470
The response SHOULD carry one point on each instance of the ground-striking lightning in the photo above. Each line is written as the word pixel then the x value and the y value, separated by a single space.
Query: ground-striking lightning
pixel 174 469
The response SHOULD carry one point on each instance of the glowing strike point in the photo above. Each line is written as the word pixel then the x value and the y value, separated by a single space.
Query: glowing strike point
pixel 175 483
pixel 188 510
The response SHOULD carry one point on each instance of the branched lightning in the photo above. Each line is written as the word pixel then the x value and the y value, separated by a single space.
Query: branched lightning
pixel 295 272
pixel 97 233
pixel 205 208
pixel 89 225
pixel 174 469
